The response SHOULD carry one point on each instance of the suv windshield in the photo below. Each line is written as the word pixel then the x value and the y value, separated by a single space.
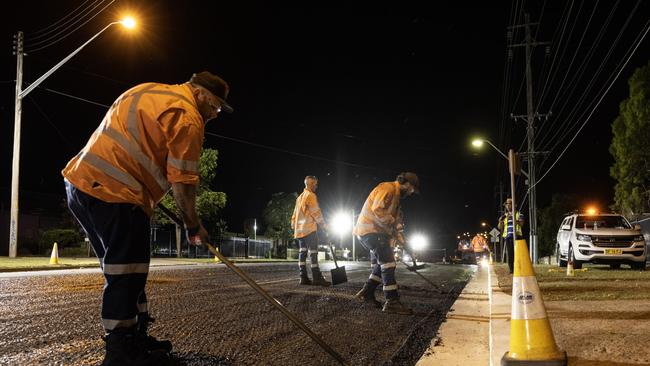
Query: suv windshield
pixel 594 222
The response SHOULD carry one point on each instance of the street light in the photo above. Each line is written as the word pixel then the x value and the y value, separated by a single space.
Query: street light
pixel 485 224
pixel 478 143
pixel 128 23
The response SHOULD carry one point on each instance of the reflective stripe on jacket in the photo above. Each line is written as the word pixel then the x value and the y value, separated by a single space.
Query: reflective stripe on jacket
pixel 479 243
pixel 379 212
pixel 306 215
pixel 516 224
pixel 150 137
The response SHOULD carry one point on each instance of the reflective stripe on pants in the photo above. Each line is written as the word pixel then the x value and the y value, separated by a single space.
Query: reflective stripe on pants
pixel 380 250
pixel 119 234
pixel 308 246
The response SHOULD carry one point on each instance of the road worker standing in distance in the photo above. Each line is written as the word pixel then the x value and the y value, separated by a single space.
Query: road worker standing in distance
pixel 305 221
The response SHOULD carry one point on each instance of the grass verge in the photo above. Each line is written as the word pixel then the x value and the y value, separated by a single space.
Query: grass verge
pixel 591 283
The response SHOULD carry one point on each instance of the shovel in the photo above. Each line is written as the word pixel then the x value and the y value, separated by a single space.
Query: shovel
pixel 415 265
pixel 338 274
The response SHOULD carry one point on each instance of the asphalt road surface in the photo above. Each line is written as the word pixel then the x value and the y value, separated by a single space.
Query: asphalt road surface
pixel 214 318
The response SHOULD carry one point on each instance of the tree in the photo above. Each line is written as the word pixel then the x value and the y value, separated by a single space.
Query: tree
pixel 549 221
pixel 631 147
pixel 277 216
pixel 208 202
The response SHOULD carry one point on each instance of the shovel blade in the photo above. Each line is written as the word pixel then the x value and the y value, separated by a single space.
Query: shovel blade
pixel 339 275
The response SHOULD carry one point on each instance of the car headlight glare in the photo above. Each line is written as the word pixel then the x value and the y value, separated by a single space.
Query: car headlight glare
pixel 583 237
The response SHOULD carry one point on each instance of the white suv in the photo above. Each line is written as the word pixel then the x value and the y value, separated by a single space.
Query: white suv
pixel 600 238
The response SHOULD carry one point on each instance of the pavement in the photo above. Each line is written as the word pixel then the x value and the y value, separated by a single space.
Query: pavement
pixel 214 318
pixel 477 328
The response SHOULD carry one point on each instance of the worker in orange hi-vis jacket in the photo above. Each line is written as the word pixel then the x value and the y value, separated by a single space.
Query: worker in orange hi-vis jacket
pixel 149 141
pixel 305 221
pixel 480 246
pixel 377 230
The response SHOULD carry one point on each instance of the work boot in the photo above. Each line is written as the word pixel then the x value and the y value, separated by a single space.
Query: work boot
pixel 319 280
pixel 395 306
pixel 125 347
pixel 367 294
pixel 150 342
pixel 304 279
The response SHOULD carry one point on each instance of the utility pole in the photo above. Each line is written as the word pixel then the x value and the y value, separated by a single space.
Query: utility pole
pixel 13 224
pixel 530 117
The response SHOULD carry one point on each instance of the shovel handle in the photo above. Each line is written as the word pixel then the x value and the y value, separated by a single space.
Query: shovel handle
pixel 263 293
pixel 333 253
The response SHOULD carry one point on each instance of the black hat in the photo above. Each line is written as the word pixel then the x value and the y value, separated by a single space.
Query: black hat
pixel 215 85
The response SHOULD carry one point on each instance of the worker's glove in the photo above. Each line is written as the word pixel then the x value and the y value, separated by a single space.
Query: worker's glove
pixel 196 236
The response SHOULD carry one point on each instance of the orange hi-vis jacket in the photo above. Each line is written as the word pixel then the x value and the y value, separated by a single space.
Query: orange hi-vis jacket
pixel 149 138
pixel 379 213
pixel 306 215
pixel 479 244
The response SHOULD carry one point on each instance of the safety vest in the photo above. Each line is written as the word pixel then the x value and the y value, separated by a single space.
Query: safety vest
pixel 517 226
pixel 379 212
pixel 149 138
pixel 306 215
pixel 478 243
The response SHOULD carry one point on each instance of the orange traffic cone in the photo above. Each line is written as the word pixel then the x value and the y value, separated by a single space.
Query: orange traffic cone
pixel 531 336
pixel 216 259
pixel 54 258
pixel 569 269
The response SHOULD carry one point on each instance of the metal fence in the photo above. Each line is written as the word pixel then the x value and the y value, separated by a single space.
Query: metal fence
pixel 163 244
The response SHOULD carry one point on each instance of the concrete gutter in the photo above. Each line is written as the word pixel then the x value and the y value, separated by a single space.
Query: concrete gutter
pixel 477 328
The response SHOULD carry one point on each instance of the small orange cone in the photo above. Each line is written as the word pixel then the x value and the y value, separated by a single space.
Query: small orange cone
pixel 216 259
pixel 54 258
pixel 569 269
pixel 531 336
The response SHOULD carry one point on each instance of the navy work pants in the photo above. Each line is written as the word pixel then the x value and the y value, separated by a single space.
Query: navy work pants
pixel 308 248
pixel 383 263
pixel 119 234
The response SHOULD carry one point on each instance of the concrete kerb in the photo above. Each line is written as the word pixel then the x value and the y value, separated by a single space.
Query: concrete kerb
pixel 477 328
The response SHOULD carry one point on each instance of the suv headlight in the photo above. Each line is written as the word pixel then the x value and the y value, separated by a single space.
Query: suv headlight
pixel 583 237
pixel 639 238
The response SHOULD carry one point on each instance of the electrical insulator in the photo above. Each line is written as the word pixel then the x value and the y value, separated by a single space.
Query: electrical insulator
pixel 548 50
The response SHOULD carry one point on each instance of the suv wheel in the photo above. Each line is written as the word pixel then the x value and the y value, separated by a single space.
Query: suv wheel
pixel 572 258
pixel 560 261
pixel 616 266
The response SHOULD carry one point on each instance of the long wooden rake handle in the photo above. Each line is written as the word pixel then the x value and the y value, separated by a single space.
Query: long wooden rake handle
pixel 273 301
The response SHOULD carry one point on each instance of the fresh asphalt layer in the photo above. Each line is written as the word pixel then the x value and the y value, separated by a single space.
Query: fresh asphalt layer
pixel 214 318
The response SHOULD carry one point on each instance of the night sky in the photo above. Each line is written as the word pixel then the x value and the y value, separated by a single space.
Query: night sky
pixel 351 94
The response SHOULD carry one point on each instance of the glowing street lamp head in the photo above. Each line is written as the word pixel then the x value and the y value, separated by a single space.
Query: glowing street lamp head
pixel 341 223
pixel 591 211
pixel 128 22
pixel 477 143
pixel 484 224
pixel 418 242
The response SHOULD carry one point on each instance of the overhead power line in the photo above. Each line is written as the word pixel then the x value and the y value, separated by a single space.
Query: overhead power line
pixel 59 23
pixel 67 33
pixel 647 28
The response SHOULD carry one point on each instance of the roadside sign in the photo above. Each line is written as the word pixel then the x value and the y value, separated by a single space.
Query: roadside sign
pixel 494 235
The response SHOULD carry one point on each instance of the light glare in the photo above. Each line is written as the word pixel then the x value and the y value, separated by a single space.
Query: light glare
pixel 477 143
pixel 418 241
pixel 341 223
pixel 128 22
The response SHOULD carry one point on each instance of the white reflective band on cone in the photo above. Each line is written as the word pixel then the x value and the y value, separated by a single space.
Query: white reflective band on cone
pixel 527 303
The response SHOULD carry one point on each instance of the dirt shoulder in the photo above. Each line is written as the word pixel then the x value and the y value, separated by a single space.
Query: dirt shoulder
pixel 599 317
